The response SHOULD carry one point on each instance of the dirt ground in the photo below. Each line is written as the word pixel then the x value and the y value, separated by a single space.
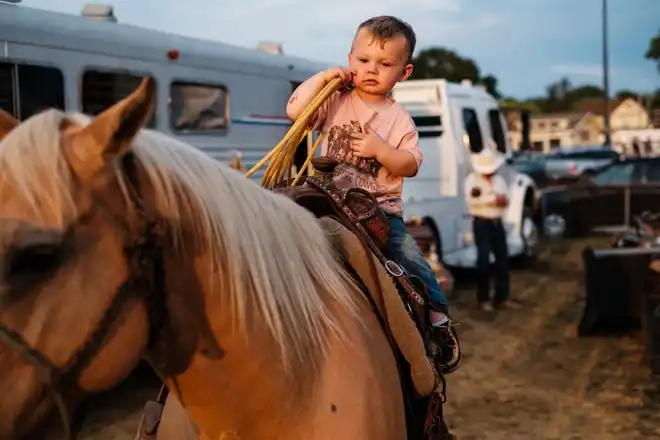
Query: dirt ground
pixel 525 374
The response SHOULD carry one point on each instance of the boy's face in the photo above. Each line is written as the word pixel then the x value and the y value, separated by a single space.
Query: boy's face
pixel 379 64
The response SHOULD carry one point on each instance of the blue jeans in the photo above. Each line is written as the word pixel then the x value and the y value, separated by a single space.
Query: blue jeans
pixel 406 253
pixel 489 236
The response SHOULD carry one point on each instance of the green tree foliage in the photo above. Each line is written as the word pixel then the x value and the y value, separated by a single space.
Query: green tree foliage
pixel 440 62
pixel 653 52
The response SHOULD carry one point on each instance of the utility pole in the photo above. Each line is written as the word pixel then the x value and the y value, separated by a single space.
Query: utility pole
pixel 606 79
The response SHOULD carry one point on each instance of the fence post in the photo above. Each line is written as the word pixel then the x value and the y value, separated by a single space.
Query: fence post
pixel 626 205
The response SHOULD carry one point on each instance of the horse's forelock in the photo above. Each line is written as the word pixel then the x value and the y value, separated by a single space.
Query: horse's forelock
pixel 34 170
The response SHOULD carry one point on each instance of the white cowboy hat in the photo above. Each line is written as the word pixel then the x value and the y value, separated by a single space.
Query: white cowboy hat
pixel 487 162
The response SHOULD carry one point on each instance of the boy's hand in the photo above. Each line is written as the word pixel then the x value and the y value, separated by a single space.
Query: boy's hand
pixel 367 145
pixel 344 73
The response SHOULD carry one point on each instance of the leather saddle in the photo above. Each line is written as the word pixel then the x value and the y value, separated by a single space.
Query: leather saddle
pixel 358 210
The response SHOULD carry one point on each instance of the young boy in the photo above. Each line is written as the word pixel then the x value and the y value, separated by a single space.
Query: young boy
pixel 376 143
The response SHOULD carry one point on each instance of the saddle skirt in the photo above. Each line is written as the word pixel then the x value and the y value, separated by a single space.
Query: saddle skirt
pixel 385 296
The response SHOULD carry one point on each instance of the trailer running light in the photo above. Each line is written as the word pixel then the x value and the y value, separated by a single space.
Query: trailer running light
pixel 173 54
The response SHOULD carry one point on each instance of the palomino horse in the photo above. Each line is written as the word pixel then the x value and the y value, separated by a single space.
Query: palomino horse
pixel 120 243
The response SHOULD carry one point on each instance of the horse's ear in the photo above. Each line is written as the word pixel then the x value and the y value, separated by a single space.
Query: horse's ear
pixel 109 136
pixel 7 123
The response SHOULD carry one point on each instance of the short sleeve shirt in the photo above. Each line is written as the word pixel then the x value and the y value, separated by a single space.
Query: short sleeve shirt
pixel 345 114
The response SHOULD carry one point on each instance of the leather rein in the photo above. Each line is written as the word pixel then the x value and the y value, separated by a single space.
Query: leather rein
pixel 145 282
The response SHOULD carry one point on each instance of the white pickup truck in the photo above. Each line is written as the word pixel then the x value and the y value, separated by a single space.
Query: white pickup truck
pixel 455 121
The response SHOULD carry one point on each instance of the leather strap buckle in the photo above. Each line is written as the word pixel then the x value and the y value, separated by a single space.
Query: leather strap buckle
pixel 393 268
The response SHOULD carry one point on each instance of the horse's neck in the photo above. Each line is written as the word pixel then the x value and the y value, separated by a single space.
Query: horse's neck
pixel 248 392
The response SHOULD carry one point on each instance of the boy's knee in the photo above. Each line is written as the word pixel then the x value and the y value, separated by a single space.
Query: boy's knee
pixel 411 250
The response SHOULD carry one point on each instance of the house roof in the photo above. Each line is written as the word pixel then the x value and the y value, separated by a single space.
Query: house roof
pixel 573 118
pixel 597 105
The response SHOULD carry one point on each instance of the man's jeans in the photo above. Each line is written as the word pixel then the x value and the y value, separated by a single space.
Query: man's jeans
pixel 404 250
pixel 489 236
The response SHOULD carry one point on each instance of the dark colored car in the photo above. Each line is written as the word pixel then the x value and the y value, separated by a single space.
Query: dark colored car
pixel 568 165
pixel 608 197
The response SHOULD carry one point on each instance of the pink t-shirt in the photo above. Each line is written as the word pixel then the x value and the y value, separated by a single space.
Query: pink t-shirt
pixel 346 113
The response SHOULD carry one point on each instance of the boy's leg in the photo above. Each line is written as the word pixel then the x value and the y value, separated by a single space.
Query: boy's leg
pixel 405 251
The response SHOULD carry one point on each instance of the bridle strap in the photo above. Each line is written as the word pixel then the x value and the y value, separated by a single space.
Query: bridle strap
pixel 145 282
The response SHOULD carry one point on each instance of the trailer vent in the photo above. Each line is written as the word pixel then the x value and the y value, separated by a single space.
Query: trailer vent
pixel 100 12
pixel 270 47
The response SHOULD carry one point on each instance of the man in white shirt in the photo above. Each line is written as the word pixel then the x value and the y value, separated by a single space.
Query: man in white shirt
pixel 486 196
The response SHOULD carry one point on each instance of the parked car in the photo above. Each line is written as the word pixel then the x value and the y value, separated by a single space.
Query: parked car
pixel 533 165
pixel 609 197
pixel 567 165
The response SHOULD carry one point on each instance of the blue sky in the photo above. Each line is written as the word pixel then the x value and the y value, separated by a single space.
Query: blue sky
pixel 526 44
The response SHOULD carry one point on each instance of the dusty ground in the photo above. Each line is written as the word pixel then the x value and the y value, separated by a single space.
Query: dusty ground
pixel 525 375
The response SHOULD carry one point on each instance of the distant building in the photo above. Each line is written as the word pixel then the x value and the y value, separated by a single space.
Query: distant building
pixel 583 127
pixel 625 114
pixel 554 130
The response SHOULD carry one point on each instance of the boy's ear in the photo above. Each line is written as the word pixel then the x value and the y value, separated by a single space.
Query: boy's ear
pixel 407 71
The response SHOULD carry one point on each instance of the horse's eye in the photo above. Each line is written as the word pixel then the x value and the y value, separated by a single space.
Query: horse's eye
pixel 40 259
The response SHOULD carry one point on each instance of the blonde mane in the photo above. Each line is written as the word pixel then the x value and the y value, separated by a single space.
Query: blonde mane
pixel 263 252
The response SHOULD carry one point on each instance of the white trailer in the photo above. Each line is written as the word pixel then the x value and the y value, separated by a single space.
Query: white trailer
pixel 214 96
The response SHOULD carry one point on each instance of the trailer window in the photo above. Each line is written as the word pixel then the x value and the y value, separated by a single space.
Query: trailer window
pixel 103 89
pixel 471 126
pixel 198 107
pixel 27 89
pixel 497 130
pixel 7 89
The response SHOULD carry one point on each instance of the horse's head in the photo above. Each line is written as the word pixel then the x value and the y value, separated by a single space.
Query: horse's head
pixel 66 236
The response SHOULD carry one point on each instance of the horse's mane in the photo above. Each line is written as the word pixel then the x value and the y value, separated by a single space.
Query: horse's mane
pixel 263 251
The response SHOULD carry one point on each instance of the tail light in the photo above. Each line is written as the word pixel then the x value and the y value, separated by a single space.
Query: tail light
pixel 571 167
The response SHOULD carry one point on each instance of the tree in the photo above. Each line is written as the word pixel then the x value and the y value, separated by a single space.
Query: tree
pixel 654 100
pixel 530 105
pixel 440 62
pixel 653 52
pixel 557 96
pixel 584 92
pixel 625 94
pixel 558 91
pixel 490 82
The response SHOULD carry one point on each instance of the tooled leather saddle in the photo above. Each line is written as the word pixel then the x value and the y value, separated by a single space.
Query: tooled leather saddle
pixel 357 210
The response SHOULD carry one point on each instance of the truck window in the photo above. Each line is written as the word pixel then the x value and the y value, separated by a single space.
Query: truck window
pixel 27 89
pixel 7 88
pixel 497 130
pixel 198 107
pixel 103 89
pixel 471 126
pixel 428 126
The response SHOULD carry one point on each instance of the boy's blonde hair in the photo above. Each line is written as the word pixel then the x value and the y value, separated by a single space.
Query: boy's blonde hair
pixel 385 27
